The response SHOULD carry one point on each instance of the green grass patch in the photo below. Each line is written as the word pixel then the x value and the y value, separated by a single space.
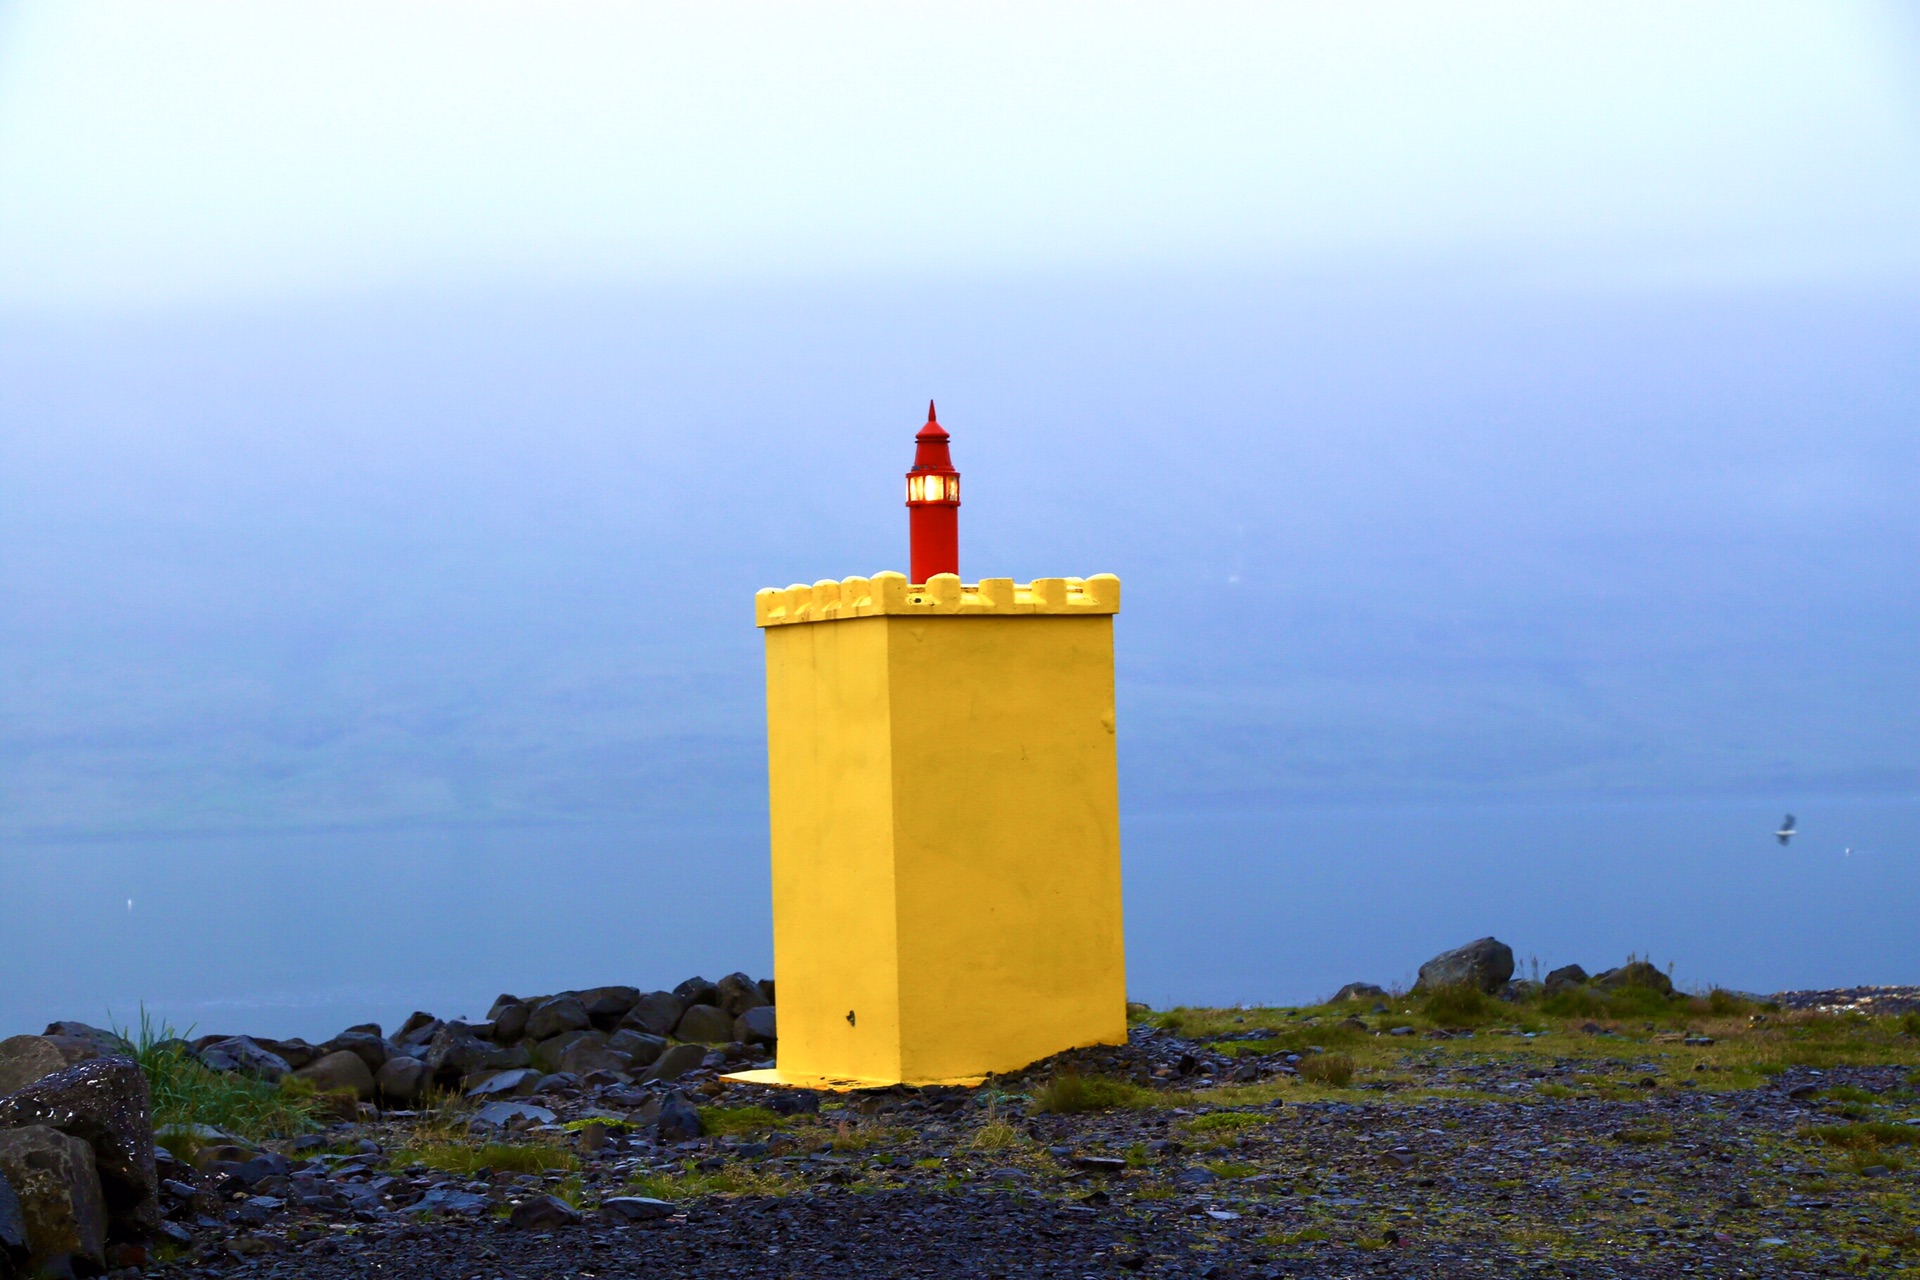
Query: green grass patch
pixel 739 1120
pixel 1458 1006
pixel 1865 1135
pixel 467 1159
pixel 605 1122
pixel 689 1182
pixel 1231 1168
pixel 1223 1122
pixel 1333 1069
pixel 186 1093
pixel 1069 1092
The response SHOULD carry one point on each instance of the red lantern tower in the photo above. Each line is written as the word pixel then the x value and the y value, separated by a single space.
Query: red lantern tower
pixel 933 504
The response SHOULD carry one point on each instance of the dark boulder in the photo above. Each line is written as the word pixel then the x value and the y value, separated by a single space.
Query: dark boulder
pixel 737 993
pixel 14 1249
pixel 105 1104
pixel 365 1045
pixel 244 1055
pixel 296 1053
pixel 105 1044
pixel 697 991
pixel 705 1024
pixel 1567 975
pixel 543 1213
pixel 510 1020
pixel 24 1059
pixel 657 1013
pixel 342 1070
pixel 636 1209
pixel 456 1053
pixel 605 1006
pixel 1635 973
pixel 1485 963
pixel 557 1016
pixel 756 1026
pixel 402 1079
pixel 679 1119
pixel 676 1062
pixel 1359 991
pixel 420 1028
pixel 52 1176
pixel 642 1050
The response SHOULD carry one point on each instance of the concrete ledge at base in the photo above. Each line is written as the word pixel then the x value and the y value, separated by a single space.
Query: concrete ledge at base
pixel 834 1084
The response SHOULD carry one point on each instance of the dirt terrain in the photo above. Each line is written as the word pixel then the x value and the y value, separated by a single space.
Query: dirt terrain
pixel 1639 1138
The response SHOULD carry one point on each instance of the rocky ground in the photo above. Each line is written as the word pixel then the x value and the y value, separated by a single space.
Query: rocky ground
pixel 1628 1135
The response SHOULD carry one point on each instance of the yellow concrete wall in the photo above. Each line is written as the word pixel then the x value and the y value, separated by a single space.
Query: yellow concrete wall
pixel 1006 841
pixel 946 849
pixel 829 763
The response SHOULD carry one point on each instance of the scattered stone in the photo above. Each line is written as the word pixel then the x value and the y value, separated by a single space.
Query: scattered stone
pixel 53 1177
pixel 1485 963
pixel 543 1213
pixel 452 1202
pixel 636 1209
pixel 679 1120
pixel 501 1115
pixel 517 1083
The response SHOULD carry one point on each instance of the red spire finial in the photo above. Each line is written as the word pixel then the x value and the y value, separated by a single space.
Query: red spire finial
pixel 933 429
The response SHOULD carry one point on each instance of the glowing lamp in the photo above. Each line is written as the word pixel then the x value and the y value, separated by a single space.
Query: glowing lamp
pixel 933 504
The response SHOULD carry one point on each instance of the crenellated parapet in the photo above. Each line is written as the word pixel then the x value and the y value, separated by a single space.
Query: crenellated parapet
pixel 890 593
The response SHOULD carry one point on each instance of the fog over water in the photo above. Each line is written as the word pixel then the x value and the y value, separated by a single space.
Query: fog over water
pixel 396 650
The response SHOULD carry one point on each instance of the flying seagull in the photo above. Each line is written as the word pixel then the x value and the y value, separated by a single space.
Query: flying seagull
pixel 1786 831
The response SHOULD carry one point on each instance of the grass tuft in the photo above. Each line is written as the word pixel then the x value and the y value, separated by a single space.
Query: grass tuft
pixel 689 1182
pixel 1335 1069
pixel 737 1120
pixel 1458 1006
pixel 468 1158
pixel 1069 1092
pixel 186 1093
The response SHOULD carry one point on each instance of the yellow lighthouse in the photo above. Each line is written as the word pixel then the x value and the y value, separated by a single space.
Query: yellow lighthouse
pixel 945 825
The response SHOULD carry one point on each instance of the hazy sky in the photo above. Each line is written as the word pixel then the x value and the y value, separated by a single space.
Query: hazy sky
pixel 152 154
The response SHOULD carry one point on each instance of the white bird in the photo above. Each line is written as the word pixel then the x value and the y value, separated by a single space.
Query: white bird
pixel 1786 831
